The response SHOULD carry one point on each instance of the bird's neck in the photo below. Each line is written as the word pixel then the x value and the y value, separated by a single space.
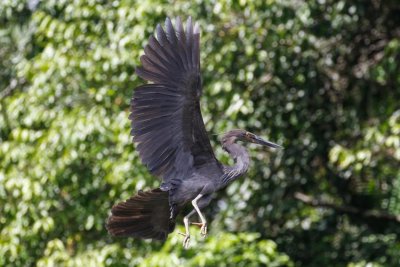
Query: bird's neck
pixel 242 161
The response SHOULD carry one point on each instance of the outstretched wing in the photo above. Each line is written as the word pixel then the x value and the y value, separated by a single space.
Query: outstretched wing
pixel 166 119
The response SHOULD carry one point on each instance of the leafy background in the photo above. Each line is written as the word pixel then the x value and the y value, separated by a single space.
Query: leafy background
pixel 320 77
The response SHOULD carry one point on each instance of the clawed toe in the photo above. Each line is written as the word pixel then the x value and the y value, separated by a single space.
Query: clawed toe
pixel 203 228
pixel 186 242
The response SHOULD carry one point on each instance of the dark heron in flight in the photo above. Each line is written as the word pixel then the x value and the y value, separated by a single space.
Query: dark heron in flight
pixel 172 141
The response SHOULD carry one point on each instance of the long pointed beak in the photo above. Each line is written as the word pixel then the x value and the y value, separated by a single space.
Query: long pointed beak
pixel 260 141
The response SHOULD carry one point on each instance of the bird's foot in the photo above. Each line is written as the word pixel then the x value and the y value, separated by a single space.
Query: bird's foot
pixel 186 240
pixel 203 228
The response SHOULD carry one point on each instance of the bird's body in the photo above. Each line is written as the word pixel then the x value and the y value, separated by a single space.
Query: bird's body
pixel 200 181
pixel 172 141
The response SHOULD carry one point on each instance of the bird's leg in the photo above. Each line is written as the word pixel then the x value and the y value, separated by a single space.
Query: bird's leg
pixel 186 239
pixel 203 224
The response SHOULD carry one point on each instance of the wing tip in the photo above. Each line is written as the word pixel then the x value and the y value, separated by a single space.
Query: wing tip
pixel 196 28
pixel 189 21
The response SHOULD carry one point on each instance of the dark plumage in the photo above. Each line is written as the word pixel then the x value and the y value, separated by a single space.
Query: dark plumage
pixel 172 141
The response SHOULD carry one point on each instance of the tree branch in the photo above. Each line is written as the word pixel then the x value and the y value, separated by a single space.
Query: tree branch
pixel 372 214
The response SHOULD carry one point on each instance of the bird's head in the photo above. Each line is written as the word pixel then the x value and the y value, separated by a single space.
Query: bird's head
pixel 246 136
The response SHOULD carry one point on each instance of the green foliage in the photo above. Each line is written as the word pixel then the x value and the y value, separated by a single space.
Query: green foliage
pixel 223 249
pixel 320 77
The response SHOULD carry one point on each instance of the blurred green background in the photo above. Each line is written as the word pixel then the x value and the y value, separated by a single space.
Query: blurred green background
pixel 322 78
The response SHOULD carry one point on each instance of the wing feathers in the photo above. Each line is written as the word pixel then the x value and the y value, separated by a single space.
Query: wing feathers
pixel 189 41
pixel 166 120
pixel 179 29
pixel 163 54
pixel 171 35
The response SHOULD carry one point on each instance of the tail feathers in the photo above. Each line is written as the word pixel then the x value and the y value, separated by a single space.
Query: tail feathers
pixel 146 215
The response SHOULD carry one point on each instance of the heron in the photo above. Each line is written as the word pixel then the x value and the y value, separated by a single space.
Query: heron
pixel 171 139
